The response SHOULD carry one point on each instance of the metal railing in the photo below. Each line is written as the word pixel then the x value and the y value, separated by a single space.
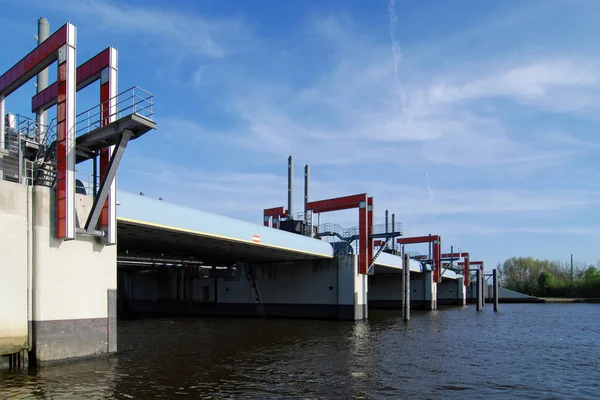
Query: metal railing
pixel 338 230
pixel 134 100
pixel 23 138
pixel 29 150
pixel 380 228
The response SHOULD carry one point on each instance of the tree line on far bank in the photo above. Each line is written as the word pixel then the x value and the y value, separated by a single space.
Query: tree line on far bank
pixel 545 278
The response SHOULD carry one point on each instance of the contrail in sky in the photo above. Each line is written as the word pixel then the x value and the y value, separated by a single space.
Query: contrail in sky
pixel 396 55
pixel 429 185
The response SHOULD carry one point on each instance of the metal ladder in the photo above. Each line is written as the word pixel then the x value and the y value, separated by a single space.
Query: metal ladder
pixel 260 307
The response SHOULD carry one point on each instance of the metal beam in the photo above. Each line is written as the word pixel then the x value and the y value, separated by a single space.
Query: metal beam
pixel 336 204
pixel 86 73
pixel 107 180
pixel 35 62
pixel 418 239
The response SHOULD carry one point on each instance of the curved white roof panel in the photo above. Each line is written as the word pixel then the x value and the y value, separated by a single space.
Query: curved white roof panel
pixel 139 211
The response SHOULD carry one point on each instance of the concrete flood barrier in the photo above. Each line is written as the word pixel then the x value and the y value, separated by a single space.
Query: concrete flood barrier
pixel 308 289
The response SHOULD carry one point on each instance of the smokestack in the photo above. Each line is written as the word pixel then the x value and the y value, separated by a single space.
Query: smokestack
pixel 393 229
pixel 306 188
pixel 386 228
pixel 290 186
pixel 42 77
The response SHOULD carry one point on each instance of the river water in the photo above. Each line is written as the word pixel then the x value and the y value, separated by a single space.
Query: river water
pixel 534 351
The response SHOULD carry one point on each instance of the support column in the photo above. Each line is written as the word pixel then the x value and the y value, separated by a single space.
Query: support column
pixel 495 283
pixel 65 142
pixel 370 211
pixel 363 239
pixel 479 292
pixel 2 122
pixel 406 288
pixel 108 108
pixel 42 80
pixel 482 287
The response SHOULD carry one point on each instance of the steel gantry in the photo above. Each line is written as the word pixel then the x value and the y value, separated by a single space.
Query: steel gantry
pixel 360 201
pixel 449 258
pixel 436 240
pixel 60 48
pixel 272 216
pixel 103 67
pixel 104 130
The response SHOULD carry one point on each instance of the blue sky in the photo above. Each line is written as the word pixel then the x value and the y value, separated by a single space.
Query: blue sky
pixel 473 120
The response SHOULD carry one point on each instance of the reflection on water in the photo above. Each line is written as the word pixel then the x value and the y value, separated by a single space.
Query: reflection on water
pixel 524 351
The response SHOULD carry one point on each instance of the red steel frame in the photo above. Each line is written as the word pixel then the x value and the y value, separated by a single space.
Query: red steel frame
pixel 437 251
pixel 370 211
pixel 361 202
pixel 274 214
pixel 466 263
pixel 103 67
pixel 60 47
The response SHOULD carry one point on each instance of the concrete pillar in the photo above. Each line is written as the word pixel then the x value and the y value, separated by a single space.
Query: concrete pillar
pixel 461 292
pixel 352 289
pixel 406 288
pixel 74 291
pixel 430 291
pixel 495 286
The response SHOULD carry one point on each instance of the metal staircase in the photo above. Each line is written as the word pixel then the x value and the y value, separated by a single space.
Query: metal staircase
pixel 44 173
pixel 260 307
pixel 381 248
pixel 45 168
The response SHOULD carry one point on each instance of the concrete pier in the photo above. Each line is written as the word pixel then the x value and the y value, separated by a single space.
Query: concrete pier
pixel 58 298
pixel 310 289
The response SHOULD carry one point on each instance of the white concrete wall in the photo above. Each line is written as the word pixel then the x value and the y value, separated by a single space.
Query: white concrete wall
pixel 385 287
pixel 417 287
pixel 448 290
pixel 430 291
pixel 300 282
pixel 13 266
pixel 71 278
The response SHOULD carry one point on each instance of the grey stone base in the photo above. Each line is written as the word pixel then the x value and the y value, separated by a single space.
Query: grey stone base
pixel 449 302
pixel 65 339
pixel 141 309
pixel 397 304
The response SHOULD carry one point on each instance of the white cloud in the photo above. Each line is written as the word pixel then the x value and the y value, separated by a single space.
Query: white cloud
pixel 183 29
pixel 538 83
